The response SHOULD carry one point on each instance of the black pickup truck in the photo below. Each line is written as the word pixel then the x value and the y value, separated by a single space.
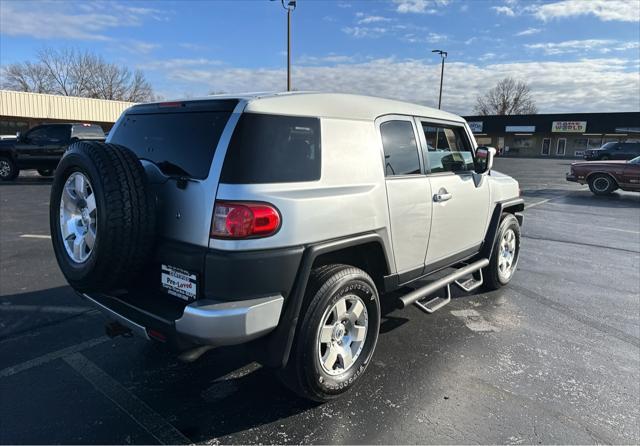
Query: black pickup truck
pixel 42 147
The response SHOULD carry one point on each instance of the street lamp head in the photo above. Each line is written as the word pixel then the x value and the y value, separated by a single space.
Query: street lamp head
pixel 442 53
pixel 290 5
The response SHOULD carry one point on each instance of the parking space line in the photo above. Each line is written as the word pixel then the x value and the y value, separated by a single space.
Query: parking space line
pixel 51 356
pixel 48 237
pixel 138 410
pixel 528 206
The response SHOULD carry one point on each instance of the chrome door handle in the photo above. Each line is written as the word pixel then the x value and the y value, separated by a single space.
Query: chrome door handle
pixel 442 197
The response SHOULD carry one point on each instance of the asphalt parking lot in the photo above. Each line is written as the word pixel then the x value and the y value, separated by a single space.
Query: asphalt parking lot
pixel 553 358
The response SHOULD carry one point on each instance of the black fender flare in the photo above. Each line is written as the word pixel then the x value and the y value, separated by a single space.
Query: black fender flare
pixel 280 341
pixel 514 206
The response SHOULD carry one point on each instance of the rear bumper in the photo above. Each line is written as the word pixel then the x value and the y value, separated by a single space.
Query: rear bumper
pixel 203 322
pixel 230 323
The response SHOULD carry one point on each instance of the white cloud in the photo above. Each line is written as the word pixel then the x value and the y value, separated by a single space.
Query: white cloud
pixel 50 19
pixel 360 32
pixel 606 10
pixel 588 85
pixel 328 59
pixel 419 6
pixel 528 32
pixel 367 19
pixel 140 47
pixel 581 46
pixel 504 10
pixel 180 63
pixel 427 38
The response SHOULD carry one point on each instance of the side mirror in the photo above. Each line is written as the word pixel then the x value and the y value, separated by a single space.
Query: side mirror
pixel 484 159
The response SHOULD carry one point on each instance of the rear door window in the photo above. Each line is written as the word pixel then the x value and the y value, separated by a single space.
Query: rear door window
pixel 181 143
pixel 273 149
pixel 87 131
pixel 401 156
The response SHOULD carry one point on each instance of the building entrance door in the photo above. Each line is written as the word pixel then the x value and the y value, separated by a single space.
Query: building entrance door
pixel 546 144
pixel 561 147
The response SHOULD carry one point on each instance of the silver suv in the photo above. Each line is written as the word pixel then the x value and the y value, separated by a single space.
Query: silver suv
pixel 280 221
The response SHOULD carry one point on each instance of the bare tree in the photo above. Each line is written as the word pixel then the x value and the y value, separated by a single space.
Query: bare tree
pixel 70 72
pixel 26 76
pixel 508 97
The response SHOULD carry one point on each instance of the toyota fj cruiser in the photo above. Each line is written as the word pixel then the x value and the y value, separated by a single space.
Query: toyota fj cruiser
pixel 279 221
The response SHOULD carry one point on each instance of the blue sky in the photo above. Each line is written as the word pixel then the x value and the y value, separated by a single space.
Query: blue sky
pixel 578 55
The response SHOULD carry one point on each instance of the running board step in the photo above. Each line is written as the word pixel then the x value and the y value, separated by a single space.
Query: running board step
pixel 435 303
pixel 471 283
pixel 425 291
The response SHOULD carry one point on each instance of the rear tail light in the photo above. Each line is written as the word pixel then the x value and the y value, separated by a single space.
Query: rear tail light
pixel 240 220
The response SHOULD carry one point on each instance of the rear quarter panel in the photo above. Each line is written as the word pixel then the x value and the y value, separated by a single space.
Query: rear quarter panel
pixel 349 198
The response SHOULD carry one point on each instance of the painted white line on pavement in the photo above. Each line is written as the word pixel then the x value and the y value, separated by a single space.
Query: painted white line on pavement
pixel 537 203
pixel 44 309
pixel 137 409
pixel 48 237
pixel 474 320
pixel 51 356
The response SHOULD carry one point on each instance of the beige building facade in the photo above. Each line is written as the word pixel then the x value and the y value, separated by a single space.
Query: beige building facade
pixel 19 111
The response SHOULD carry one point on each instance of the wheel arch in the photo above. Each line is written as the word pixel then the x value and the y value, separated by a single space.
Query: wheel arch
pixel 600 172
pixel 365 249
pixel 513 206
pixel 8 152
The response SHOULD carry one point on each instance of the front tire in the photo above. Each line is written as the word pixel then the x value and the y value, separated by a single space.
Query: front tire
pixel 601 184
pixel 505 255
pixel 337 334
pixel 8 169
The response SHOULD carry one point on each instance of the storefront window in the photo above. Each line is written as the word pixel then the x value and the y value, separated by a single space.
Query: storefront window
pixel 594 143
pixel 521 144
pixel 579 143
pixel 483 140
pixel 11 127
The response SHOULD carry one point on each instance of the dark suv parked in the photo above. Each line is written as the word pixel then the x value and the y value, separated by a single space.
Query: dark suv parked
pixel 42 147
pixel 614 151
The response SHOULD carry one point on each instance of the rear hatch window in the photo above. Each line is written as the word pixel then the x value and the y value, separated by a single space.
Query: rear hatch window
pixel 87 131
pixel 273 149
pixel 180 142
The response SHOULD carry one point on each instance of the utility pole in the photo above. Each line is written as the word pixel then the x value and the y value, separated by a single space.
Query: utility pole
pixel 289 6
pixel 443 55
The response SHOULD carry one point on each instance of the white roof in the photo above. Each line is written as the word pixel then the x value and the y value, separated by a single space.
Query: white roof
pixel 333 105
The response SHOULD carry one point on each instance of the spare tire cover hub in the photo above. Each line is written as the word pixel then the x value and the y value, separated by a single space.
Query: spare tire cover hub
pixel 78 217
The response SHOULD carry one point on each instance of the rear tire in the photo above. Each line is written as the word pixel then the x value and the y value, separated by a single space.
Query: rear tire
pixel 337 334
pixel 602 184
pixel 107 210
pixel 8 169
pixel 605 158
pixel 505 255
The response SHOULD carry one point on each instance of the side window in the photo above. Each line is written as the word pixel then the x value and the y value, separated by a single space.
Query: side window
pixel 273 149
pixel 58 133
pixel 448 150
pixel 37 134
pixel 401 156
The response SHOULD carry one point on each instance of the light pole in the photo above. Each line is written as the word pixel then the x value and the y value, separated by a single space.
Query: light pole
pixel 443 55
pixel 290 5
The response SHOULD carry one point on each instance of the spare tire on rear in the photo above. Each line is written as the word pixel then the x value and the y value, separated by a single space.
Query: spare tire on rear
pixel 102 216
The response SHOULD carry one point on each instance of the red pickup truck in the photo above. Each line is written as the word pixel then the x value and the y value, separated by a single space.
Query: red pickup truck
pixel 604 177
